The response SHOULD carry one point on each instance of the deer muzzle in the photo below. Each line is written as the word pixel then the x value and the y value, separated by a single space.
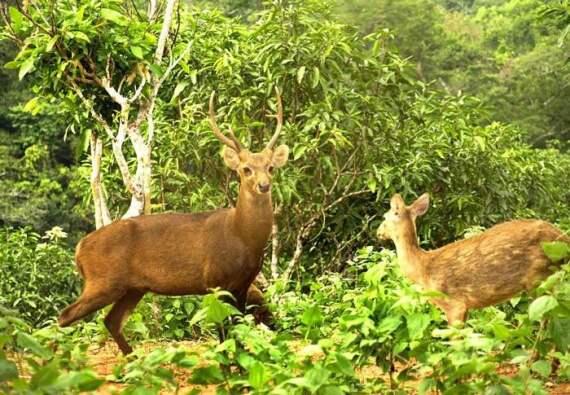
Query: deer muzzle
pixel 382 233
pixel 264 187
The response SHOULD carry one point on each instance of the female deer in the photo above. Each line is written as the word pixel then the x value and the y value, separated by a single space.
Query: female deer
pixel 476 272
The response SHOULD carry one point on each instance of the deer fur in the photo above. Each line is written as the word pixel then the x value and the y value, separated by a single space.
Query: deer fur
pixel 480 271
pixel 182 254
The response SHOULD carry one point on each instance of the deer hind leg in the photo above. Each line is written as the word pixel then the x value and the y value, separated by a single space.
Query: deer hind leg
pixel 456 313
pixel 92 299
pixel 119 312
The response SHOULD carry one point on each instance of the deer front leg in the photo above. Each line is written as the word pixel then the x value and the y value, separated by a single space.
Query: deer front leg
pixel 258 307
pixel 455 310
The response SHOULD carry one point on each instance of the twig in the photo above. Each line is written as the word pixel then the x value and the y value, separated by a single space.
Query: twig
pixel 305 229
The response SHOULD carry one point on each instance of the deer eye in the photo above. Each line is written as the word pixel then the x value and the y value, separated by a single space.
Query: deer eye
pixel 247 171
pixel 270 169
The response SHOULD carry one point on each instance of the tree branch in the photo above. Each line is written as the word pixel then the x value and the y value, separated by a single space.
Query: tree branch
pixel 306 228
pixel 164 31
pixel 275 244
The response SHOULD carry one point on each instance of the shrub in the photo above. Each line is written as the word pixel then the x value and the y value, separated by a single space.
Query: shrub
pixel 38 275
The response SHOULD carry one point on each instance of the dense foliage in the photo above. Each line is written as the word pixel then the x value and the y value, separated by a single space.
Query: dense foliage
pixel 368 331
pixel 465 100
pixel 511 54
pixel 38 274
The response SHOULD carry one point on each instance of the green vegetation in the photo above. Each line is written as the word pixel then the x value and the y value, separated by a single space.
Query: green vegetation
pixel 510 54
pixel 466 100
pixel 344 334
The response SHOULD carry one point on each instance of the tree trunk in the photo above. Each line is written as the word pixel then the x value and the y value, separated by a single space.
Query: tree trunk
pixel 102 216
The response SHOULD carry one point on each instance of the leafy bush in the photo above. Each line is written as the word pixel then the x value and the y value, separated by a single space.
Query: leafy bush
pixel 45 371
pixel 360 124
pixel 38 274
pixel 360 128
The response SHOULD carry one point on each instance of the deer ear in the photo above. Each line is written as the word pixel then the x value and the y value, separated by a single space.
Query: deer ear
pixel 280 156
pixel 231 158
pixel 420 206
pixel 397 203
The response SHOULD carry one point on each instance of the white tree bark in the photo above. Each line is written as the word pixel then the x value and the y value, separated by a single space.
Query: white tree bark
pixel 139 183
pixel 275 245
pixel 102 216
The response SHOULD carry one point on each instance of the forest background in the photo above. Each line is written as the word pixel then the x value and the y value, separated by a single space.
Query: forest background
pixel 467 100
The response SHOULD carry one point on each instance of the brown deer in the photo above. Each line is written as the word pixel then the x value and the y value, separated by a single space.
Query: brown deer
pixel 183 254
pixel 476 272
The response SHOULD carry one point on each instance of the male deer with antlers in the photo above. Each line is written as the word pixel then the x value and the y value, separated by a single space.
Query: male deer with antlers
pixel 476 272
pixel 182 254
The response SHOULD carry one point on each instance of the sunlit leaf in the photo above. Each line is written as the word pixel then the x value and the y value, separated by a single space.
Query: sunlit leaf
pixel 541 306
pixel 542 367
pixel 137 51
pixel 114 16
pixel 556 250
pixel 26 67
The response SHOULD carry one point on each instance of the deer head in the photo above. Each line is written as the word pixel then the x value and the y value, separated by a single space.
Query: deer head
pixel 401 218
pixel 255 170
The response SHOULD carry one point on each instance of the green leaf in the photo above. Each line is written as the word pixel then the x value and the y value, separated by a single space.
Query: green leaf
pixel 32 106
pixel 556 250
pixel 178 90
pixel 497 389
pixel 344 365
pixel 114 16
pixel 542 367
pixel 84 381
pixel 85 139
pixel 371 183
pixel 560 331
pixel 45 376
pixel 331 390
pixel 257 375
pixel 156 69
pixel 481 142
pixel 426 385
pixel 217 312
pixel 501 331
pixel 316 377
pixel 17 18
pixel 207 375
pixel 137 51
pixel 312 316
pixel 51 43
pixel 26 341
pixel 26 67
pixel 8 370
pixel 81 36
pixel 417 324
pixel 300 74
pixel 12 65
pixel 389 324
pixel 316 77
pixel 541 306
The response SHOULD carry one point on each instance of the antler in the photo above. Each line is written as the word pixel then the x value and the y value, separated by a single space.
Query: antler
pixel 231 141
pixel 279 117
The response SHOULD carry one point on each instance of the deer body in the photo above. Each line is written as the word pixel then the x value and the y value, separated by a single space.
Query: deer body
pixel 188 253
pixel 182 254
pixel 476 272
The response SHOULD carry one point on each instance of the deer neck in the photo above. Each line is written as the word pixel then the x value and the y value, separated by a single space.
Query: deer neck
pixel 253 218
pixel 410 256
